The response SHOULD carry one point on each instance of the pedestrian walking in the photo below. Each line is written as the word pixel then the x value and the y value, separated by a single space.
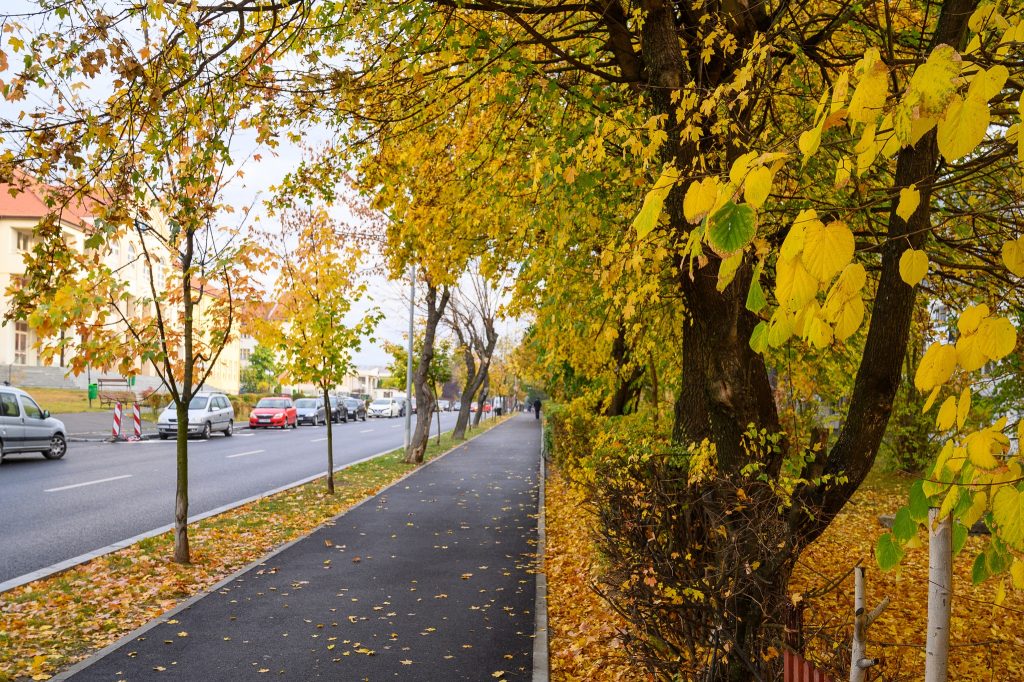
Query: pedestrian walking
pixel 536 408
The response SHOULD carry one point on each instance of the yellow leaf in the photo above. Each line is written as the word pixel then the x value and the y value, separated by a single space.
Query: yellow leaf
pixel 913 266
pixel 969 353
pixel 758 186
pixel 963 127
pixel 1013 254
pixel 819 333
pixel 827 249
pixel 740 167
pixel 996 337
pixel 963 407
pixel 793 244
pixel 843 171
pixel 979 450
pixel 978 505
pixel 1008 511
pixel 809 141
pixel 947 414
pixel 1000 595
pixel 872 88
pixel 1017 574
pixel 700 199
pixel 931 399
pixel 727 271
pixel 794 286
pixel 780 328
pixel 850 318
pixel 971 318
pixel 949 501
pixel 936 366
pixel 910 199
pixel 647 219
pixel 840 91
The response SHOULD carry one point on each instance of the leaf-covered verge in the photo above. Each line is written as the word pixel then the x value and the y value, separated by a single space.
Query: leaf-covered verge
pixel 587 633
pixel 52 623
pixel 583 629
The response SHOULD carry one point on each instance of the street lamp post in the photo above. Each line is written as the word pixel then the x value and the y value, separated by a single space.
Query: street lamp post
pixel 408 364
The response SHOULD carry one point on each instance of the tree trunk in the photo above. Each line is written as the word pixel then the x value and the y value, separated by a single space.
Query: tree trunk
pixel 480 402
pixel 181 548
pixel 940 596
pixel 424 396
pixel 330 441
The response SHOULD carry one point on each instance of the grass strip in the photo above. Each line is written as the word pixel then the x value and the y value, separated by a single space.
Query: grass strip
pixel 50 624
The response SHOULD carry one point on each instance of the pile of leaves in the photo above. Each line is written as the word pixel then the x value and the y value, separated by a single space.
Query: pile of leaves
pixel 583 629
pixel 50 624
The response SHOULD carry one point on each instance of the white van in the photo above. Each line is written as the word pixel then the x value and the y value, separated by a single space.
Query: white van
pixel 26 427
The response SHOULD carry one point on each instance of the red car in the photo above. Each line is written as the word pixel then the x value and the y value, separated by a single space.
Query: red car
pixel 279 412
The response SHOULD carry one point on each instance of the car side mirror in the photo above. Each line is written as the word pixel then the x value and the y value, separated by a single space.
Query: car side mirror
pixel 46 414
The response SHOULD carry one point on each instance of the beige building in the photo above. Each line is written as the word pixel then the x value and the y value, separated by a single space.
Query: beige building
pixel 20 363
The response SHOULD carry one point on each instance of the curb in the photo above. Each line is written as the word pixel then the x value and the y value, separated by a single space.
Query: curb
pixel 162 618
pixel 541 662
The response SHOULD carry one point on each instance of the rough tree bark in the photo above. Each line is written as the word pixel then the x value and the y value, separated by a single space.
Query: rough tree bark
pixel 421 375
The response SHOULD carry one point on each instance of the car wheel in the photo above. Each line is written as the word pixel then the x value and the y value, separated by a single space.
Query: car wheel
pixel 58 446
pixel 206 431
pixel 230 429
pixel 163 436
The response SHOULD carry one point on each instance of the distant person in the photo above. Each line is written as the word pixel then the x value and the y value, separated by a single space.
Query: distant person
pixel 536 408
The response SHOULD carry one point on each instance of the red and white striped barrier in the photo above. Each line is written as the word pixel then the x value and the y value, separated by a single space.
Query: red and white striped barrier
pixel 137 419
pixel 116 429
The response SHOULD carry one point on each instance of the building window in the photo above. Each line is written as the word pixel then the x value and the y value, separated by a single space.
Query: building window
pixel 21 343
pixel 23 240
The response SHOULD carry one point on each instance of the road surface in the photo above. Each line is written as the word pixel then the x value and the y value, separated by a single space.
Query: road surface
pixel 103 493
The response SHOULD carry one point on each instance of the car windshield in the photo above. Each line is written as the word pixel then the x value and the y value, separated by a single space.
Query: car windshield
pixel 381 403
pixel 274 402
pixel 305 402
pixel 352 402
pixel 198 403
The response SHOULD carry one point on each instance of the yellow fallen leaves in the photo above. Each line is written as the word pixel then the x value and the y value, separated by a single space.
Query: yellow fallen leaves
pixel 583 630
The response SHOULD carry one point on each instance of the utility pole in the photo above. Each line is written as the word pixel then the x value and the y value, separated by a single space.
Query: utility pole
pixel 408 364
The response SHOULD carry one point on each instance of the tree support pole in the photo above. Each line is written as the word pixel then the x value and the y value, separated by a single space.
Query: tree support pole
pixel 940 591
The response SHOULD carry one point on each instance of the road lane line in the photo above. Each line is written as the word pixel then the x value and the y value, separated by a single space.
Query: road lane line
pixel 317 440
pixel 79 485
pixel 398 426
pixel 366 431
pixel 244 454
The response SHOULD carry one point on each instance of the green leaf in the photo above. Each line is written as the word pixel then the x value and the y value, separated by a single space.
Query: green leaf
pixel 959 537
pixel 732 227
pixel 903 526
pixel 888 552
pixel 755 295
pixel 919 504
pixel 980 570
pixel 759 338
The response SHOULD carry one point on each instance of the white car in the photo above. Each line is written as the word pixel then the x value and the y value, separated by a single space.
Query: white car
pixel 385 407
pixel 207 412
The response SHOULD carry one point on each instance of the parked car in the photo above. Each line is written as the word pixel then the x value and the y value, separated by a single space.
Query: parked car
pixel 279 412
pixel 456 406
pixel 338 413
pixel 207 412
pixel 310 411
pixel 444 405
pixel 26 427
pixel 385 407
pixel 355 408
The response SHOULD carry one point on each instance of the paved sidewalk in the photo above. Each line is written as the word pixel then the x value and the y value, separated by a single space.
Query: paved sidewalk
pixel 96 426
pixel 429 580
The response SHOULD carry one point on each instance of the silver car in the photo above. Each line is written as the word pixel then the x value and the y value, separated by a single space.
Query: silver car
pixel 25 427
pixel 310 411
pixel 207 412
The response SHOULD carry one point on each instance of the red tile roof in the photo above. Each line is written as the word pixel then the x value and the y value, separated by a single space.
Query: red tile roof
pixel 26 198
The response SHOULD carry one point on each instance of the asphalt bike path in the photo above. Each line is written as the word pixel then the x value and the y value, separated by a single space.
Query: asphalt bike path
pixel 432 579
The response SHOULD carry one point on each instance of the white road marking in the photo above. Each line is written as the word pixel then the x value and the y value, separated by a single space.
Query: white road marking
pixel 366 431
pixel 397 426
pixel 317 440
pixel 79 485
pixel 244 454
pixel 245 435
